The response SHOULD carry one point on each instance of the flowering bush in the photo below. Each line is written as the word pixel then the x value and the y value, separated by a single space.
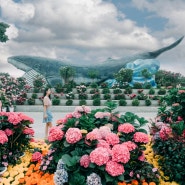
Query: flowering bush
pixel 81 88
pixel 15 135
pixel 98 147
pixel 168 131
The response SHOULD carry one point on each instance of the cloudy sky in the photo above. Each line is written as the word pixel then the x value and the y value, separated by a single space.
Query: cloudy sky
pixel 90 31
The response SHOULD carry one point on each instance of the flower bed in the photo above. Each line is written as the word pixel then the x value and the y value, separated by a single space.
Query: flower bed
pixel 15 135
pixel 168 131
pixel 98 146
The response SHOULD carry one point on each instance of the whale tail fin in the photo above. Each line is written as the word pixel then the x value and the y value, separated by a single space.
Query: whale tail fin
pixel 156 53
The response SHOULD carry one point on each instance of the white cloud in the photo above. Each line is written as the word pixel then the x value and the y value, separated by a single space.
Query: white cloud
pixel 16 12
pixel 86 31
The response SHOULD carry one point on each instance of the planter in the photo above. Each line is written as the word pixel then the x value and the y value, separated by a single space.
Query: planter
pixel 2 169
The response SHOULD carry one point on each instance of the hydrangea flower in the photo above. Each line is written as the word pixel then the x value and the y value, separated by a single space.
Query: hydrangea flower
pixel 60 177
pixel 55 134
pixel 126 128
pixel 99 156
pixel 120 153
pixel 141 137
pixel 93 179
pixel 73 135
pixel 114 168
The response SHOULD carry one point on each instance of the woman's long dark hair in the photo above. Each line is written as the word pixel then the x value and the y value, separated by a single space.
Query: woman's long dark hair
pixel 45 92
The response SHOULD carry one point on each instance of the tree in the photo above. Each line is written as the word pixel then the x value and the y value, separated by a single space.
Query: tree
pixel 3 36
pixel 167 78
pixel 93 74
pixel 66 73
pixel 124 76
pixel 146 74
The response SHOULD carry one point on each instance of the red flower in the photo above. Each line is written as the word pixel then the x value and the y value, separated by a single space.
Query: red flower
pixel 37 156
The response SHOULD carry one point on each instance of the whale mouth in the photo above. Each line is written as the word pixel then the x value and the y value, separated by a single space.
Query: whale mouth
pixel 19 64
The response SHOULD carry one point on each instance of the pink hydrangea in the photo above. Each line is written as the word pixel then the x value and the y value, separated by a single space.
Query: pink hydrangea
pixel 94 135
pixel 4 113
pixel 8 132
pixel 25 117
pixel 99 115
pixel 107 114
pixel 165 132
pixel 87 109
pixel 99 156
pixel 114 169
pixel 112 139
pixel 130 145
pixel 55 134
pixel 37 156
pixel 104 130
pixel 142 157
pixel 120 153
pixel 103 143
pixel 126 128
pixel 28 131
pixel 69 115
pixel 73 135
pixel 14 118
pixel 115 117
pixel 3 137
pixel 85 161
pixel 79 109
pixel 61 121
pixel 141 137
pixel 76 114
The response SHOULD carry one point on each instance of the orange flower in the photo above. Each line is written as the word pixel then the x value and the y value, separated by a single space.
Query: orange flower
pixel 135 182
pixel 152 183
pixel 144 183
pixel 21 180
pixel 122 183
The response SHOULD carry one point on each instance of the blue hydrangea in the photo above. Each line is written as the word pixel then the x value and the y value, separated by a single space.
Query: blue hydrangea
pixel 60 164
pixel 93 179
pixel 60 177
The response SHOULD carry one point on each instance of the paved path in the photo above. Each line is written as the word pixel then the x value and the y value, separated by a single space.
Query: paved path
pixel 39 127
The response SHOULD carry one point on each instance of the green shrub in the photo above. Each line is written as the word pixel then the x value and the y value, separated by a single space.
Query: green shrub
pixel 82 102
pixel 82 96
pixel 162 91
pixel 148 102
pixel 96 102
pixel 69 102
pixel 55 101
pixel 147 85
pixel 93 91
pixel 59 88
pixel 137 85
pixel 122 102
pixel 142 96
pixel 135 102
pixel 106 91
pixel 128 90
pixel 31 101
pixel 107 96
pixel 93 85
pixel 96 95
pixel 119 96
pixel 34 96
pixel 104 85
pixel 151 91
pixel 117 91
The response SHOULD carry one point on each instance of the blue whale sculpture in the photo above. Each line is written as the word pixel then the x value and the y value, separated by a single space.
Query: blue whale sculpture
pixel 49 68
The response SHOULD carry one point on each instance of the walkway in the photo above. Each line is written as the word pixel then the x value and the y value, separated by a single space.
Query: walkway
pixel 39 127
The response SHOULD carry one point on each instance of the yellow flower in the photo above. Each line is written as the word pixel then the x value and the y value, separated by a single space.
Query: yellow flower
pixel 6 174
pixel 83 131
